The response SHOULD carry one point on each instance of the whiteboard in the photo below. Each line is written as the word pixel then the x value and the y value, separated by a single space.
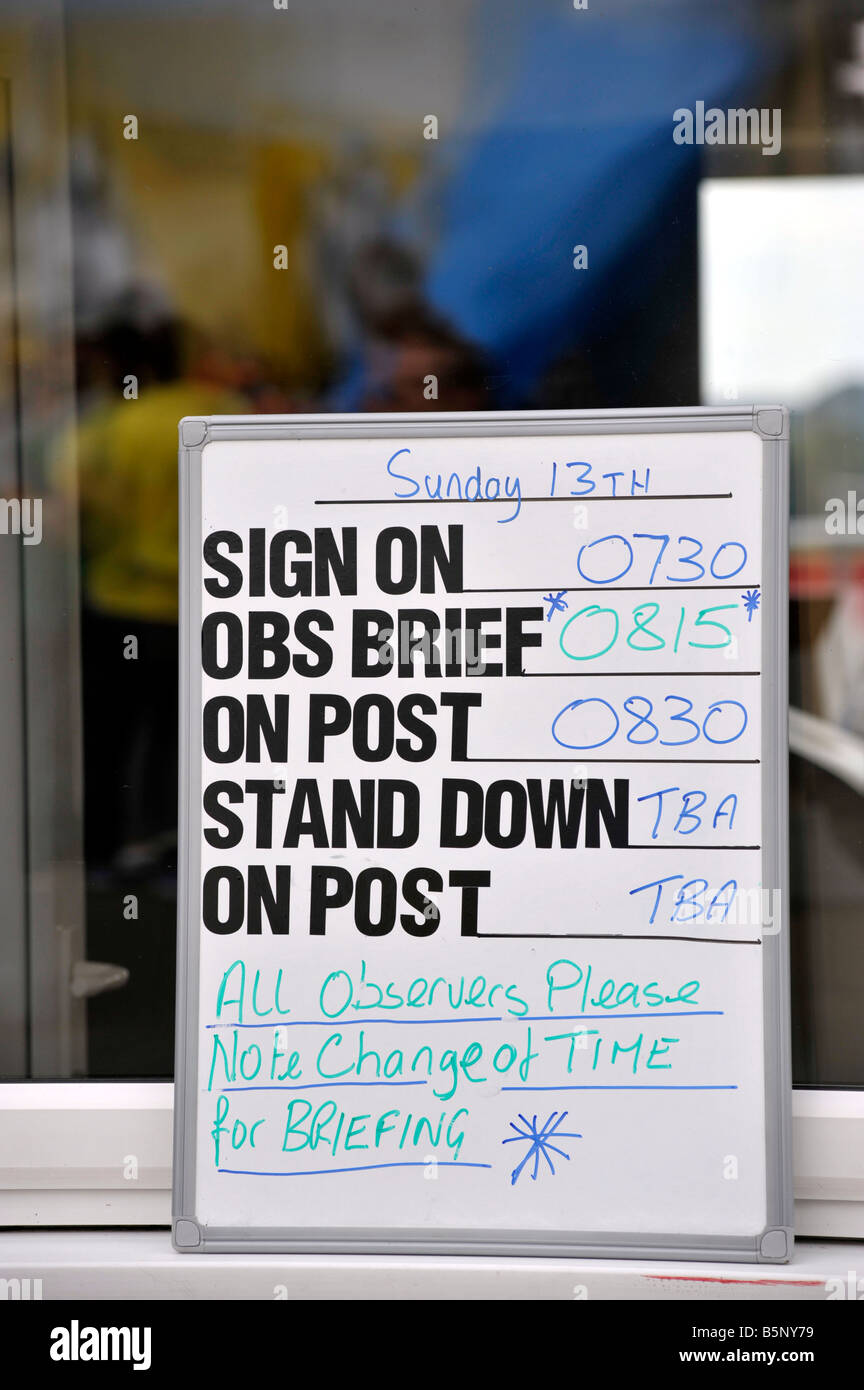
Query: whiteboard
pixel 482 914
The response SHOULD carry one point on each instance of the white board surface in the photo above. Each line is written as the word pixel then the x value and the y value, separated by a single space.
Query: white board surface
pixel 460 1028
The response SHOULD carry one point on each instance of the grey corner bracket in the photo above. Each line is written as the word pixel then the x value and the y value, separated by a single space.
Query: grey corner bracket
pixel 187 1234
pixel 772 422
pixel 193 433
pixel 776 1244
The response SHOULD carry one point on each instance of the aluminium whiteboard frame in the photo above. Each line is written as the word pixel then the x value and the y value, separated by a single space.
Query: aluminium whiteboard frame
pixel 774 1244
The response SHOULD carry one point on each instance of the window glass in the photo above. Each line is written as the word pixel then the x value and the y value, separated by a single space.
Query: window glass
pixel 212 207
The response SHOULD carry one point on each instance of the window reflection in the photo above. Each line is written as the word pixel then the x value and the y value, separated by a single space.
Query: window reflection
pixel 375 207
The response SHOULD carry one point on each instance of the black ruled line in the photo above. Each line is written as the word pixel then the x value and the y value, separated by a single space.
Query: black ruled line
pixel 611 936
pixel 613 589
pixel 577 761
pixel 503 501
pixel 637 674
pixel 677 847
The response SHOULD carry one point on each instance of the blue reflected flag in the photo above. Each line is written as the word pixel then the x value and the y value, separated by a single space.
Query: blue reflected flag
pixel 579 151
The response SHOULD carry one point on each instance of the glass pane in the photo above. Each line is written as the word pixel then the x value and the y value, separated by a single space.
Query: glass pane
pixel 783 299
pixel 374 206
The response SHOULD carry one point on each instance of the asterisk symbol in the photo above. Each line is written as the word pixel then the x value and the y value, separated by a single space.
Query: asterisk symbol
pixel 540 1142
pixel 557 603
pixel 751 599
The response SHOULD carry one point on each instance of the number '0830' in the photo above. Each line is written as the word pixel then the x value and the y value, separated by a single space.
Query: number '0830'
pixel 594 722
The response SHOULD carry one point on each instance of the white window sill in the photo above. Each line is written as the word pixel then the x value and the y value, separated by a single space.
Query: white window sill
pixel 83 1265
pixel 92 1154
